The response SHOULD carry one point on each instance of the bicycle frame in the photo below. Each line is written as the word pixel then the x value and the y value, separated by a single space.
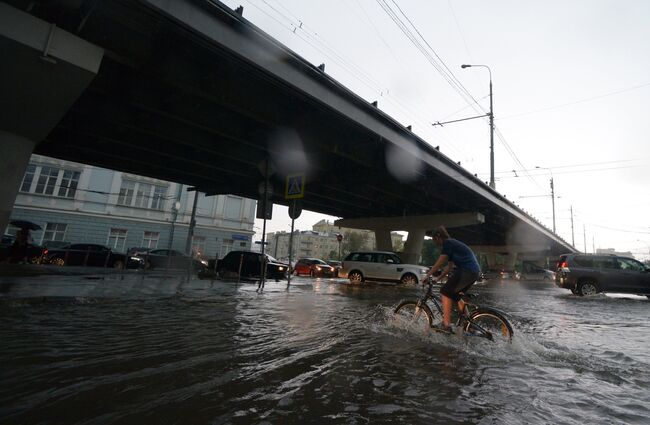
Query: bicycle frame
pixel 463 316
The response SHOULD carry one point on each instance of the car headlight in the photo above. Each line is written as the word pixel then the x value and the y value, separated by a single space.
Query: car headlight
pixel 318 267
pixel 205 263
pixel 136 259
pixel 280 269
pixel 424 271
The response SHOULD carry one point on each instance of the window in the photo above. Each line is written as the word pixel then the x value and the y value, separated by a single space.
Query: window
pixel 69 183
pixel 141 195
pixel 117 239
pixel 150 239
pixel 50 181
pixel 629 264
pixel 226 247
pixel 584 261
pixel 28 178
pixel 606 263
pixel 54 232
pixel 198 245
pixel 126 193
pixel 47 180
pixel 157 200
pixel 233 208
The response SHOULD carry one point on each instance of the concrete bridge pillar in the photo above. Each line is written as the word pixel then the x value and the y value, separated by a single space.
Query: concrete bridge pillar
pixel 491 258
pixel 15 152
pixel 511 259
pixel 383 239
pixel 413 246
pixel 44 71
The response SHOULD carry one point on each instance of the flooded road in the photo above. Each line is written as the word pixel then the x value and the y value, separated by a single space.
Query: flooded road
pixel 133 350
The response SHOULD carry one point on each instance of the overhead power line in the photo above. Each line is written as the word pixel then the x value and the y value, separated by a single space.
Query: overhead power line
pixel 564 105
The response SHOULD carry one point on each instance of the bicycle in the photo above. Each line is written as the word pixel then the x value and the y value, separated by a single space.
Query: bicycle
pixel 476 321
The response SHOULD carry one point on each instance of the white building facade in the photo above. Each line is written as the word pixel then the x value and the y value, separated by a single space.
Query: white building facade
pixel 79 203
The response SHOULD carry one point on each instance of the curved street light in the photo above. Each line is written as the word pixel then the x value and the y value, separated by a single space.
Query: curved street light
pixel 491 115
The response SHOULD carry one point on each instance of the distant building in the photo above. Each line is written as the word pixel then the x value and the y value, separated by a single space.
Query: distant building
pixel 614 252
pixel 74 202
pixel 321 242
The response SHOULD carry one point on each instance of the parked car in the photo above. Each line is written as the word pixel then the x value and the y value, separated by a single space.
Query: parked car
pixel 167 259
pixel 588 274
pixel 90 255
pixel 499 274
pixel 251 266
pixel 380 266
pixel 313 267
pixel 336 265
pixel 138 250
pixel 534 272
pixel 33 253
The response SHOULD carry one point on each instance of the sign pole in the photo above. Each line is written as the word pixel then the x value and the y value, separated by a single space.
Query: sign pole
pixel 266 201
pixel 293 220
pixel 294 189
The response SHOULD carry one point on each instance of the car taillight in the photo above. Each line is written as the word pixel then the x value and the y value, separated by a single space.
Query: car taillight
pixel 45 251
pixel 563 264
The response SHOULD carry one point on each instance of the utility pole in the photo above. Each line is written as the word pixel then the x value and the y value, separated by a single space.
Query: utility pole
pixel 584 236
pixel 553 201
pixel 492 184
pixel 491 115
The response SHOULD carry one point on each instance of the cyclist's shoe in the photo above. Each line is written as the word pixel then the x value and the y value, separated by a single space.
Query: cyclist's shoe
pixel 443 329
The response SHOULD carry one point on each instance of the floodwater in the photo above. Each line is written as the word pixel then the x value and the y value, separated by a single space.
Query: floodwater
pixel 129 350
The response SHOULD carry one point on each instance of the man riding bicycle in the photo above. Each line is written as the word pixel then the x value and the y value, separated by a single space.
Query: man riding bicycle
pixel 463 269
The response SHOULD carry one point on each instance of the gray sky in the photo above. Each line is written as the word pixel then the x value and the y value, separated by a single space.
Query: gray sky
pixel 571 86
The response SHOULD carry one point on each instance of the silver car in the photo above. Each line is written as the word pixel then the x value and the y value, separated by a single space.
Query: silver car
pixel 380 266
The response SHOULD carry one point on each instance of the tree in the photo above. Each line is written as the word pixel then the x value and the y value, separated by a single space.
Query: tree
pixel 430 252
pixel 352 241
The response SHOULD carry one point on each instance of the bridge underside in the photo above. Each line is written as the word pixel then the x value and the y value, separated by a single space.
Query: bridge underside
pixel 171 103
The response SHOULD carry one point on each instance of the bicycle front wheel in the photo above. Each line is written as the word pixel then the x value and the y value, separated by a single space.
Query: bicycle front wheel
pixel 413 318
pixel 490 324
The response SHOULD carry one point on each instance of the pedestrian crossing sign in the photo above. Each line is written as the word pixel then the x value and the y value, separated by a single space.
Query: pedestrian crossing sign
pixel 295 186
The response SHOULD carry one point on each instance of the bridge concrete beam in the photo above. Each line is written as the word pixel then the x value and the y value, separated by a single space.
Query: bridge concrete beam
pixel 44 71
pixel 504 249
pixel 413 223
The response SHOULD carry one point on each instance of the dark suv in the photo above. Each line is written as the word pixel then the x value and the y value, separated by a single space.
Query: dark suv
pixel 250 265
pixel 588 274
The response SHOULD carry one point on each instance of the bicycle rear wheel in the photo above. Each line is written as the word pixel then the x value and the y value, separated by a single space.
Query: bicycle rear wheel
pixel 413 318
pixel 490 324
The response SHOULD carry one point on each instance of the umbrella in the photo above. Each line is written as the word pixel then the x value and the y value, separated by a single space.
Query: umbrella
pixel 24 224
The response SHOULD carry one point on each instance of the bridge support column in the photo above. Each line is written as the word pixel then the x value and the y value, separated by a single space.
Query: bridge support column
pixel 15 152
pixel 491 258
pixel 413 246
pixel 44 71
pixel 511 259
pixel 383 239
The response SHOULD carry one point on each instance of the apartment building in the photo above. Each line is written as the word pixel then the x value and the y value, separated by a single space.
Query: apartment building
pixel 77 203
pixel 321 241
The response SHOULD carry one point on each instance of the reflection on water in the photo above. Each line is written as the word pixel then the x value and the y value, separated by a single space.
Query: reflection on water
pixel 136 350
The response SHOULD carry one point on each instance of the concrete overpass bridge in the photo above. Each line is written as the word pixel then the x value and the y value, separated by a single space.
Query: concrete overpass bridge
pixel 190 91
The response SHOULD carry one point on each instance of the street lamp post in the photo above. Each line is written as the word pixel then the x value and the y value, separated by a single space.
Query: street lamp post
pixel 491 114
